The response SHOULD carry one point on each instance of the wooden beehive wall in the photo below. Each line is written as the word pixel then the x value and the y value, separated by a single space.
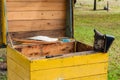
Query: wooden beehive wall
pixel 0 22
pixel 28 18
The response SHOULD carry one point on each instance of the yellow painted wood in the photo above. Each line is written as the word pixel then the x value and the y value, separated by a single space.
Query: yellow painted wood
pixel 85 70
pixel 95 77
pixel 13 76
pixel 68 61
pixel 4 23
pixel 70 72
pixel 18 69
pixel 18 58
pixel 55 68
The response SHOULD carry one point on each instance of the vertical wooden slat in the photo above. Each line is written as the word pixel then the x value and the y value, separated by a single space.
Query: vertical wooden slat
pixel 0 23
pixel 4 23
pixel 69 22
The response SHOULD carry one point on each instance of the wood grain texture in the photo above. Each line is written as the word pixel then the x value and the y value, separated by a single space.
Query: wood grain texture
pixel 50 33
pixel 30 6
pixel 83 47
pixel 36 17
pixel 54 63
pixel 4 24
pixel 0 38
pixel 26 15
pixel 93 77
pixel 11 77
pixel 48 49
pixel 40 0
pixel 32 42
pixel 19 71
pixel 0 22
pixel 35 25
pixel 70 72
pixel 18 58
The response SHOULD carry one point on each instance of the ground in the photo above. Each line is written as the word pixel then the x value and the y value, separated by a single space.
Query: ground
pixel 3 64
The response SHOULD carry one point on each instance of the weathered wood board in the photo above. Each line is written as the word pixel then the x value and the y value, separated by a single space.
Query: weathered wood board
pixel 44 16
pixel 48 49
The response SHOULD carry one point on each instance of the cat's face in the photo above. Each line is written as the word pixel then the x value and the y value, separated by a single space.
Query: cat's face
pixel 99 44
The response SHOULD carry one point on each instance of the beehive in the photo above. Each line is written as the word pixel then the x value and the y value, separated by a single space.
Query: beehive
pixel 53 18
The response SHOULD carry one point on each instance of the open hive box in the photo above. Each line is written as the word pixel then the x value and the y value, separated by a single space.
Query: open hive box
pixel 41 60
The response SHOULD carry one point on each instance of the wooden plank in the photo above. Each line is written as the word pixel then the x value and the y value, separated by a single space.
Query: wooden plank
pixel 32 42
pixel 18 58
pixel 85 70
pixel 35 25
pixel 30 6
pixel 37 4
pixel 83 47
pixel 17 69
pixel 12 75
pixel 46 49
pixel 26 15
pixel 70 72
pixel 1 23
pixel 40 0
pixel 50 33
pixel 93 77
pixel 68 61
pixel 69 19
pixel 4 19
pixel 1 38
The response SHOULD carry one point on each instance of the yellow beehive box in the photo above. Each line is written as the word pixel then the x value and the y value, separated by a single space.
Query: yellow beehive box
pixel 53 18
pixel 68 67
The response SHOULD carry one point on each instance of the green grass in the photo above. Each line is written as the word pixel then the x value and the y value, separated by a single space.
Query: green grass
pixel 2 59
pixel 105 22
